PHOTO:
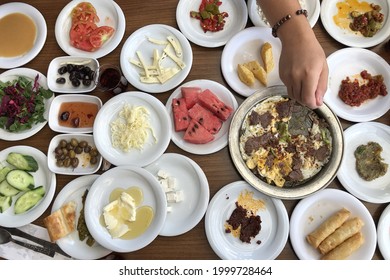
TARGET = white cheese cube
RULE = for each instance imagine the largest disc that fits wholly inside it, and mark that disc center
(162, 174)
(171, 183)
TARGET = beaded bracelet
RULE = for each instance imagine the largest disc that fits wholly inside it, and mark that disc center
(284, 19)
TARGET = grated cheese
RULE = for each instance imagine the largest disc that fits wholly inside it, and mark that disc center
(131, 129)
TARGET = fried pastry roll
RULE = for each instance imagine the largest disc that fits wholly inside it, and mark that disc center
(327, 227)
(345, 231)
(345, 249)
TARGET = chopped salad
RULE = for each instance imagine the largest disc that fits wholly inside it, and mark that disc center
(22, 103)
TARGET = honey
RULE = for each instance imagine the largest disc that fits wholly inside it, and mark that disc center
(18, 33)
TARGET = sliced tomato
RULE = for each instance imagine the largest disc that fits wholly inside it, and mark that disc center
(79, 35)
(84, 11)
(81, 28)
(100, 35)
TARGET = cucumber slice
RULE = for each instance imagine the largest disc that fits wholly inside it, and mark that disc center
(23, 162)
(7, 190)
(3, 172)
(5, 203)
(20, 179)
(29, 199)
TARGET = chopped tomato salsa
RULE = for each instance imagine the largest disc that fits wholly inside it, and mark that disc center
(211, 19)
(354, 93)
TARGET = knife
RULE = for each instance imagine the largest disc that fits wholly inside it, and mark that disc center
(47, 244)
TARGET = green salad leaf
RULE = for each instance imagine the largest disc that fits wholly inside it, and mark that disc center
(22, 103)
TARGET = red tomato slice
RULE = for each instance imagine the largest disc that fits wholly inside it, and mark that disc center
(79, 35)
(100, 35)
(84, 11)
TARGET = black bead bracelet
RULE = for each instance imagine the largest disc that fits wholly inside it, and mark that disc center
(284, 19)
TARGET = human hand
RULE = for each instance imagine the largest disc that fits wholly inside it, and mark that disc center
(304, 70)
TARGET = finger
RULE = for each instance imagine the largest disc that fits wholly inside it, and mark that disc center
(309, 88)
(322, 85)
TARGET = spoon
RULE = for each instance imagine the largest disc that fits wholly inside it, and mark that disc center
(6, 237)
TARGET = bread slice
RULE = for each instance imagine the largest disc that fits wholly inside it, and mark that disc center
(267, 56)
(60, 223)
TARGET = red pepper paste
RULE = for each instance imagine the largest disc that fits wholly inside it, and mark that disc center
(354, 93)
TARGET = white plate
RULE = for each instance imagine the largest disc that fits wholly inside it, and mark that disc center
(349, 37)
(138, 41)
(244, 47)
(190, 178)
(71, 243)
(384, 233)
(235, 22)
(67, 87)
(310, 212)
(55, 107)
(221, 138)
(258, 19)
(274, 226)
(84, 167)
(39, 20)
(349, 62)
(98, 197)
(109, 13)
(378, 190)
(42, 177)
(159, 121)
(31, 74)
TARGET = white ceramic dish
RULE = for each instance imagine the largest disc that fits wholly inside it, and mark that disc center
(67, 87)
(40, 23)
(383, 232)
(235, 22)
(349, 37)
(274, 226)
(138, 41)
(159, 121)
(190, 178)
(244, 47)
(258, 19)
(98, 197)
(71, 243)
(350, 62)
(42, 177)
(221, 138)
(54, 112)
(311, 211)
(13, 74)
(109, 13)
(375, 191)
(84, 166)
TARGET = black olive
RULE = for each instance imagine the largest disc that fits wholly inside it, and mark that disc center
(62, 70)
(64, 116)
(86, 82)
(70, 67)
(60, 80)
(78, 150)
(76, 122)
(75, 82)
(87, 70)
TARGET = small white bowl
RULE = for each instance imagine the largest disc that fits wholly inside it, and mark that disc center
(54, 112)
(67, 87)
(84, 166)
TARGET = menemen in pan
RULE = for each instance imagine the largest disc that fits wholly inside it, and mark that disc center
(283, 142)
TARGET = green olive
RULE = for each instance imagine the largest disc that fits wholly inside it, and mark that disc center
(74, 162)
(72, 154)
(94, 153)
(63, 143)
(83, 144)
(67, 162)
(93, 160)
(78, 150)
(74, 142)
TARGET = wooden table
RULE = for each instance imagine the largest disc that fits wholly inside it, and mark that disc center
(218, 167)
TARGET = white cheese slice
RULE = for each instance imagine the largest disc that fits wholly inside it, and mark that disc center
(176, 45)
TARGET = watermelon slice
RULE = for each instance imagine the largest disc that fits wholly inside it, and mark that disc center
(203, 116)
(197, 134)
(210, 101)
(180, 114)
(191, 95)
